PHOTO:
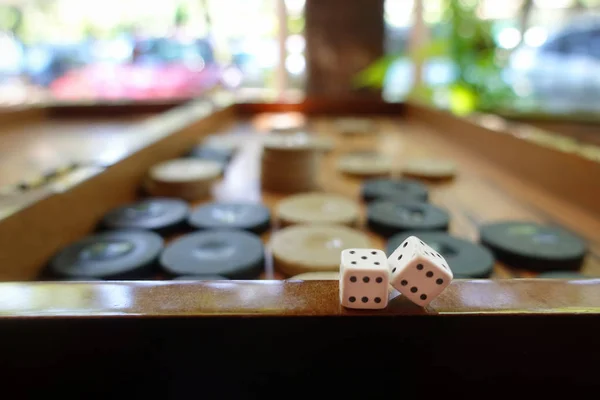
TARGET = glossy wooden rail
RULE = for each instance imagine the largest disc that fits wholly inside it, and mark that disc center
(268, 298)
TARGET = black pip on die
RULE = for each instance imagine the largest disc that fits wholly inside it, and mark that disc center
(364, 279)
(418, 272)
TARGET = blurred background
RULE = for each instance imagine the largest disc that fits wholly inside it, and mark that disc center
(508, 55)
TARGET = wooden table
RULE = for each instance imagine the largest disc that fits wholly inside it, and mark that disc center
(177, 334)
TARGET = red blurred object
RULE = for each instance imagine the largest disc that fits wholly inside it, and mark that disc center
(137, 82)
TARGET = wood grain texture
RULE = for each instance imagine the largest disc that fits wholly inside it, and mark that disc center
(64, 217)
(287, 298)
(484, 190)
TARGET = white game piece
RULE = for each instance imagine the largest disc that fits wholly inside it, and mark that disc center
(364, 279)
(418, 272)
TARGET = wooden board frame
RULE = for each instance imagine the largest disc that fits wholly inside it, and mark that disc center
(60, 337)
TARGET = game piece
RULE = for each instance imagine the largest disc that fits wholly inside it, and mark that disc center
(235, 254)
(222, 156)
(200, 278)
(429, 168)
(533, 246)
(418, 272)
(317, 208)
(113, 255)
(313, 247)
(563, 275)
(317, 276)
(186, 178)
(365, 163)
(468, 260)
(364, 279)
(388, 217)
(162, 215)
(228, 143)
(252, 217)
(394, 189)
(356, 126)
(289, 164)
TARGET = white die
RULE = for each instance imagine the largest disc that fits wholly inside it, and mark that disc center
(364, 279)
(418, 272)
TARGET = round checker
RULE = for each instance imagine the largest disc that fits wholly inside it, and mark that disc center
(183, 170)
(186, 178)
(356, 126)
(365, 163)
(532, 246)
(246, 216)
(429, 168)
(299, 140)
(228, 143)
(289, 164)
(563, 275)
(125, 254)
(161, 215)
(313, 247)
(290, 143)
(200, 278)
(399, 189)
(317, 276)
(388, 217)
(317, 208)
(234, 254)
(467, 260)
(203, 152)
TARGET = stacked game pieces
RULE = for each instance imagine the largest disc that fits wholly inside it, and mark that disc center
(414, 269)
(289, 164)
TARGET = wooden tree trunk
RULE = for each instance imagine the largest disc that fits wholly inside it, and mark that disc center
(342, 38)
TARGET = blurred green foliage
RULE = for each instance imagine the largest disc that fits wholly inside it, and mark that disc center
(467, 42)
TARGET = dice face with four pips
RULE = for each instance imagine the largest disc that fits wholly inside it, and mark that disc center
(414, 269)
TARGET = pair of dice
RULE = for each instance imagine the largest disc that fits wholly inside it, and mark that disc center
(414, 269)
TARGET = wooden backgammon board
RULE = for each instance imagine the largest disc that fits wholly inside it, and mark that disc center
(262, 311)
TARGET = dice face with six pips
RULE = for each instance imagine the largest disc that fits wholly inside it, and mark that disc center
(418, 272)
(364, 279)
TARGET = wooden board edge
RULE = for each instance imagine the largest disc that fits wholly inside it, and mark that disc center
(564, 174)
(325, 106)
(63, 217)
(138, 299)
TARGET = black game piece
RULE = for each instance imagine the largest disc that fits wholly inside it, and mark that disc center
(388, 217)
(532, 246)
(251, 217)
(113, 255)
(394, 189)
(235, 254)
(466, 259)
(162, 215)
(220, 155)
